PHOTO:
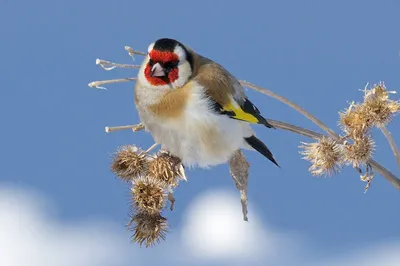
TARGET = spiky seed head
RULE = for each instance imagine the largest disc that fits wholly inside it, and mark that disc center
(359, 151)
(165, 168)
(148, 228)
(378, 91)
(354, 120)
(129, 162)
(325, 156)
(378, 107)
(148, 194)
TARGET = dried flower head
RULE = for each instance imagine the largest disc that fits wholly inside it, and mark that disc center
(148, 194)
(354, 120)
(165, 168)
(378, 107)
(148, 228)
(360, 151)
(129, 162)
(325, 156)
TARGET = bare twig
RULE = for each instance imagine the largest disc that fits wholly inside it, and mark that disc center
(392, 143)
(97, 84)
(295, 129)
(133, 52)
(134, 128)
(151, 147)
(107, 65)
(385, 173)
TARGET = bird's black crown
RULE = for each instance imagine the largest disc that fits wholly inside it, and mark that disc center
(165, 44)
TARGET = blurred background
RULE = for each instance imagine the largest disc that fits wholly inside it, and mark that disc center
(61, 205)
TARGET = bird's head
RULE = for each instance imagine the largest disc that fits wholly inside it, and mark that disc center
(169, 64)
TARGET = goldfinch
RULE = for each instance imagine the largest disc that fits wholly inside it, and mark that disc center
(195, 108)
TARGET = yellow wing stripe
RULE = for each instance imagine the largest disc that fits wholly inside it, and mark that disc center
(239, 113)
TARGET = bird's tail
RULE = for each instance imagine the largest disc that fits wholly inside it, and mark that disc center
(259, 146)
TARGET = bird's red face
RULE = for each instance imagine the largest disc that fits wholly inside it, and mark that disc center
(162, 68)
(169, 65)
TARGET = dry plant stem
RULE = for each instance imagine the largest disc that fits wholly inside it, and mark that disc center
(99, 83)
(385, 173)
(392, 144)
(133, 52)
(107, 65)
(151, 148)
(135, 128)
(291, 104)
(295, 129)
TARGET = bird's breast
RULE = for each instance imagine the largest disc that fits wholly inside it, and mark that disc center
(171, 104)
(183, 123)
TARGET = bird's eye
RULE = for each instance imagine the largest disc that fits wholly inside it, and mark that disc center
(171, 64)
(151, 62)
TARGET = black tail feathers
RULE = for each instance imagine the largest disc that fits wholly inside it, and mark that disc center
(259, 146)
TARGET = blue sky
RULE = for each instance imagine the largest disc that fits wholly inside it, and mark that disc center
(316, 53)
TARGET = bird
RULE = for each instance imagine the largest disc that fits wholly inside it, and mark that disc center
(194, 108)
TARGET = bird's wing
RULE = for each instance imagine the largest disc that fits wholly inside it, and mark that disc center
(227, 94)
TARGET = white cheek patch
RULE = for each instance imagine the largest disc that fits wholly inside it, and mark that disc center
(180, 52)
(185, 71)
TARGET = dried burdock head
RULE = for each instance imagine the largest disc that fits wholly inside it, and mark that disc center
(166, 168)
(359, 151)
(324, 155)
(354, 120)
(148, 194)
(129, 162)
(378, 107)
(149, 229)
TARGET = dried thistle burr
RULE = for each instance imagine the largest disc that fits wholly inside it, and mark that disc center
(355, 120)
(148, 194)
(166, 168)
(378, 107)
(129, 162)
(359, 151)
(325, 156)
(149, 229)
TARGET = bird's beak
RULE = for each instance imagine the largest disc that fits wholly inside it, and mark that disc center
(157, 71)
